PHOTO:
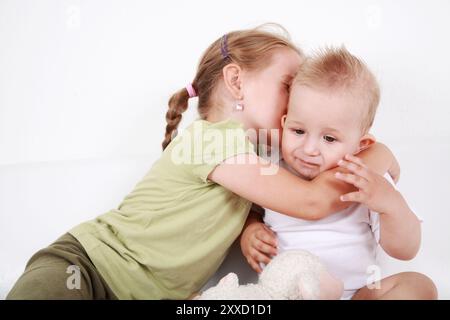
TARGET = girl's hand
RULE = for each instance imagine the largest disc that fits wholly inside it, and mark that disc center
(394, 170)
(374, 190)
(258, 244)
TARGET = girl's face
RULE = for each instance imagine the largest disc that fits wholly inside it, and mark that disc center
(266, 92)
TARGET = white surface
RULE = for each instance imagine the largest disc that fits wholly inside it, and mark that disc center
(84, 89)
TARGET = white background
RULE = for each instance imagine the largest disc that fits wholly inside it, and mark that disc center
(84, 87)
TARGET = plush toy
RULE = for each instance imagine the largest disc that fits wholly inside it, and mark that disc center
(291, 275)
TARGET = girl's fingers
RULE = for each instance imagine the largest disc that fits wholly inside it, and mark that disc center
(353, 197)
(395, 178)
(394, 171)
(355, 168)
(355, 180)
(354, 159)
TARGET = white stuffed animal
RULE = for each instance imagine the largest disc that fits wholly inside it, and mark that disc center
(291, 275)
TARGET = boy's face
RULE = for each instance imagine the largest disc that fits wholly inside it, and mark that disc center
(322, 125)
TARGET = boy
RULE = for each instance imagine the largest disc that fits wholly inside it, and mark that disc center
(332, 106)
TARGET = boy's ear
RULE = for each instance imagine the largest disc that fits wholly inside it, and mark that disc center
(232, 76)
(366, 141)
(283, 121)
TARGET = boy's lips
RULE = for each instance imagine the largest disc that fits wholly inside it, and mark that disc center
(307, 164)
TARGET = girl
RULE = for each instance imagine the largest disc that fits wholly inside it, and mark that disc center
(171, 233)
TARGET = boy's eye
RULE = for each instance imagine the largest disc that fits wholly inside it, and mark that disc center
(299, 131)
(329, 139)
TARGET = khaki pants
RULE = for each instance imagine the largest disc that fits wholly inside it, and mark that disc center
(63, 270)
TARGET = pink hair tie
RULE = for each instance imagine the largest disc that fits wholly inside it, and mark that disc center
(190, 89)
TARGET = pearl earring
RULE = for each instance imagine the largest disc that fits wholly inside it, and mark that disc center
(239, 106)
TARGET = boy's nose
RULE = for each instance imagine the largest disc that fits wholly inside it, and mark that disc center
(310, 147)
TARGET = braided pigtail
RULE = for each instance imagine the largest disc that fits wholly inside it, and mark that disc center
(178, 104)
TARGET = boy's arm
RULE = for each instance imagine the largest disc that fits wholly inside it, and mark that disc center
(400, 231)
(258, 242)
(254, 216)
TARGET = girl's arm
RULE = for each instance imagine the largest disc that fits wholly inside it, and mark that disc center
(275, 188)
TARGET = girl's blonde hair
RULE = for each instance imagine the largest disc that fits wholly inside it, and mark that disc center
(250, 49)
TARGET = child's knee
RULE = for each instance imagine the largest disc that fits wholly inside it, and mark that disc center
(430, 291)
(426, 288)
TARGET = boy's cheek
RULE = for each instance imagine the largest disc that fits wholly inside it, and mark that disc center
(286, 147)
(331, 160)
(329, 165)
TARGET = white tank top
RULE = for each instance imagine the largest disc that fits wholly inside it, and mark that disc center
(345, 241)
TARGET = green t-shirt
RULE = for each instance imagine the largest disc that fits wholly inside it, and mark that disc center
(172, 232)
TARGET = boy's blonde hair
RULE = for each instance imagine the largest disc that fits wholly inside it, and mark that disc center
(337, 68)
(251, 49)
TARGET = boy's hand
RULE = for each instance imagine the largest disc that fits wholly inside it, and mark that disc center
(374, 190)
(258, 244)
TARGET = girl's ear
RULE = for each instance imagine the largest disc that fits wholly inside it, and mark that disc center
(283, 121)
(365, 142)
(232, 76)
